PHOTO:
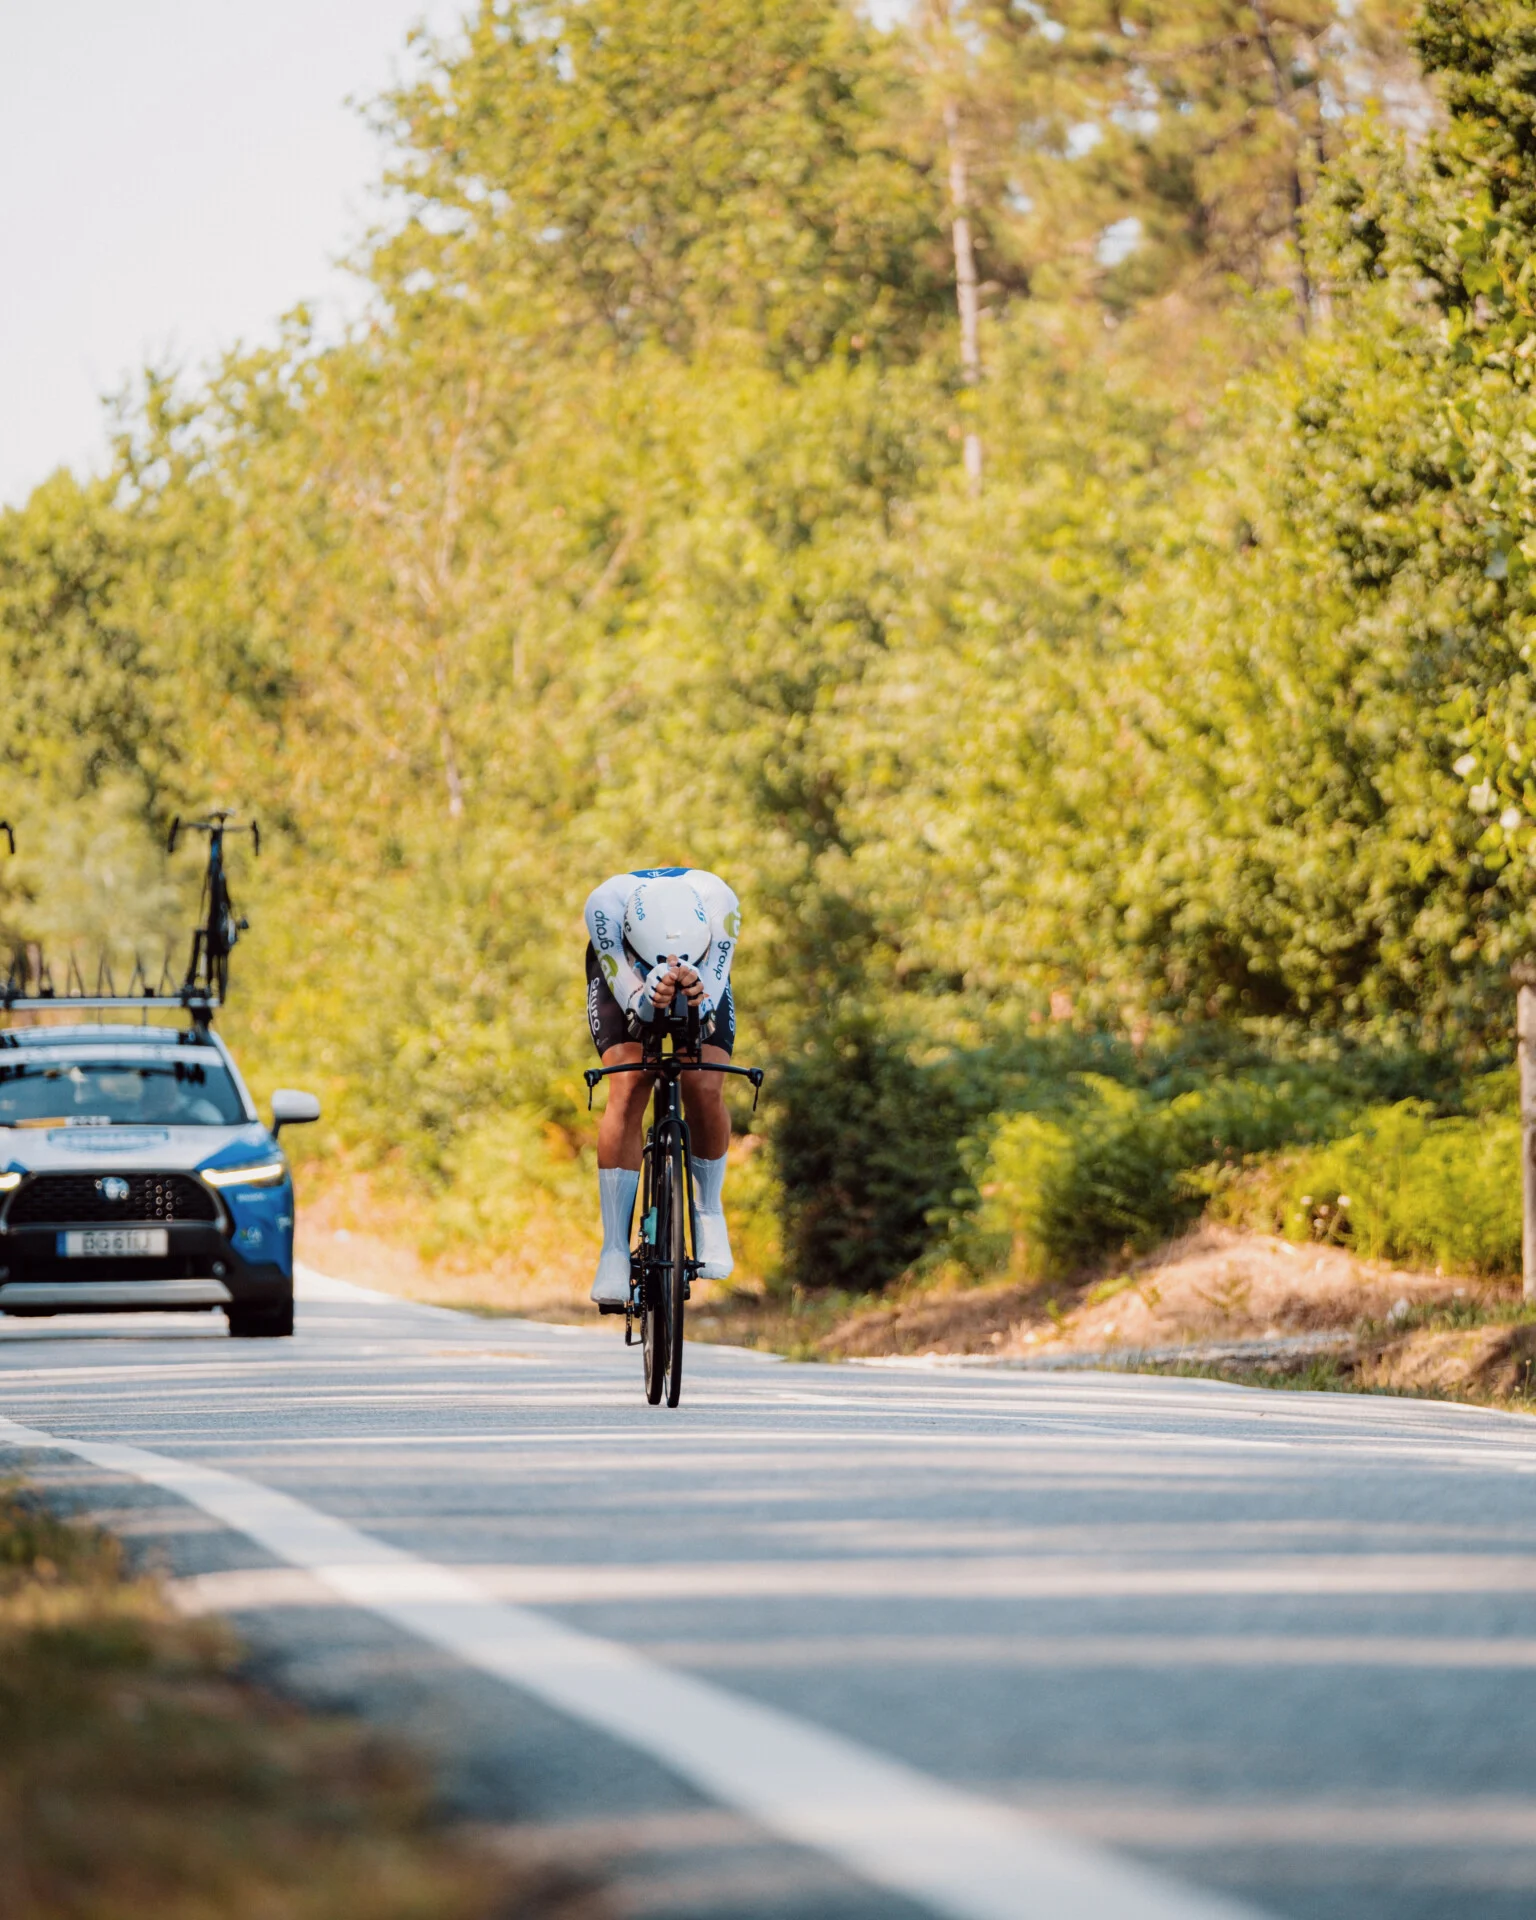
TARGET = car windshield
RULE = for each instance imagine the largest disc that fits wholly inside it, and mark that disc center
(112, 1093)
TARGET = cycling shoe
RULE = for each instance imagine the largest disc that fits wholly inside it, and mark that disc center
(611, 1287)
(714, 1249)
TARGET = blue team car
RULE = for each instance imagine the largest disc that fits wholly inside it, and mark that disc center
(135, 1172)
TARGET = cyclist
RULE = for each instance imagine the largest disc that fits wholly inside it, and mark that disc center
(655, 933)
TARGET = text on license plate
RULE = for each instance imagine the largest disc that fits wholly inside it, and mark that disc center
(103, 1242)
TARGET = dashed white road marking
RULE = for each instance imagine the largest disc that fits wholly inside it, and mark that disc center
(1304, 1576)
(959, 1855)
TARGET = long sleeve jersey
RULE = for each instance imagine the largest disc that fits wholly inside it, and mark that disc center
(605, 926)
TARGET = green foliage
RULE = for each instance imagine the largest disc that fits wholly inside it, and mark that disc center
(631, 528)
(1403, 1186)
(1119, 1166)
(665, 170)
(1042, 1152)
(1485, 54)
(88, 692)
(1203, 122)
(1137, 154)
(867, 1145)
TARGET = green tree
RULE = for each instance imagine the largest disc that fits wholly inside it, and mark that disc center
(628, 171)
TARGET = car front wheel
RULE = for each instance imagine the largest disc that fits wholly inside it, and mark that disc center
(261, 1323)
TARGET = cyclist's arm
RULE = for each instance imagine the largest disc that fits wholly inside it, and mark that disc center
(724, 911)
(605, 929)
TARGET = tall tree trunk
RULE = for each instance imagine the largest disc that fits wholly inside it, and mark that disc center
(450, 752)
(966, 292)
(1306, 295)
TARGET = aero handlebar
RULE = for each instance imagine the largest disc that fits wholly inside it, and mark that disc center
(669, 1066)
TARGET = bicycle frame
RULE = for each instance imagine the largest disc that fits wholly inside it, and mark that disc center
(208, 967)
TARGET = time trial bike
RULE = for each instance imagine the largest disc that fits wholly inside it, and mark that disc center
(663, 1262)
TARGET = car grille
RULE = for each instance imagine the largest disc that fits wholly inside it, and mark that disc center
(54, 1199)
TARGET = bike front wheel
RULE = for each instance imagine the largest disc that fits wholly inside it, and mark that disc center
(653, 1320)
(675, 1272)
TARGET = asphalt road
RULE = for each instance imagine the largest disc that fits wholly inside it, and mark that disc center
(838, 1643)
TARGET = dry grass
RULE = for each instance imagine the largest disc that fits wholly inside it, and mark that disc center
(356, 1227)
(937, 1317)
(140, 1779)
(1493, 1363)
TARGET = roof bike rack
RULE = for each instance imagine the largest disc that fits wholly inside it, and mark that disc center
(29, 983)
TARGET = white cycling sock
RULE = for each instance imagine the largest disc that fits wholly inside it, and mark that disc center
(616, 1188)
(708, 1183)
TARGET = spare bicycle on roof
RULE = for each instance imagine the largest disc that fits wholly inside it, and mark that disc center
(30, 985)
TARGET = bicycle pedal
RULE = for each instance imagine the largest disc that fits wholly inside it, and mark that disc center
(611, 1306)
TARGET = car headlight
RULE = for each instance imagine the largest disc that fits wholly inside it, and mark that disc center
(9, 1182)
(260, 1173)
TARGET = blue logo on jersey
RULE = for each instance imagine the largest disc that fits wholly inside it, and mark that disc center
(657, 873)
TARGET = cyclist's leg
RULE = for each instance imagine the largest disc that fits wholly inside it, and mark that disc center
(709, 1133)
(709, 1121)
(621, 1125)
(620, 1137)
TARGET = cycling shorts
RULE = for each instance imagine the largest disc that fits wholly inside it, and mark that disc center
(611, 1026)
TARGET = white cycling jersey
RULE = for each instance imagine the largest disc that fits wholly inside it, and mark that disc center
(605, 925)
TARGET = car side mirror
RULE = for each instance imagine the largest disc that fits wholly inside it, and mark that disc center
(293, 1109)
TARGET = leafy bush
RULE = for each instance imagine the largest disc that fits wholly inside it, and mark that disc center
(1040, 1152)
(867, 1147)
(870, 1133)
(1116, 1168)
(1402, 1186)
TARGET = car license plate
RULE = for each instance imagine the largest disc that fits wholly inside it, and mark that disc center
(104, 1242)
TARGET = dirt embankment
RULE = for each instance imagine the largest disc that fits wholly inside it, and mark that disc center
(1249, 1304)
(1214, 1285)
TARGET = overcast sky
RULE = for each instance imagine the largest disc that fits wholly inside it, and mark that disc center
(174, 174)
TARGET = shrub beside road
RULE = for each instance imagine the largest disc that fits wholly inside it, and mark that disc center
(141, 1776)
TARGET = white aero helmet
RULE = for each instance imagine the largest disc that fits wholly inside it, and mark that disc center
(666, 916)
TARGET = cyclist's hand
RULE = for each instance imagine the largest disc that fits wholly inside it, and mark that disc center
(660, 985)
(664, 980)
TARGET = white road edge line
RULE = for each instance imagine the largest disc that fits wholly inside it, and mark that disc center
(959, 1855)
